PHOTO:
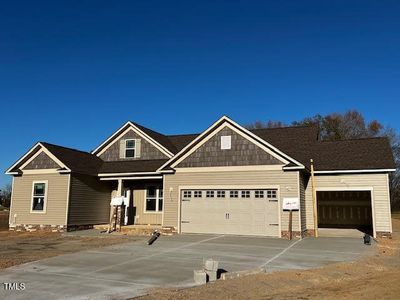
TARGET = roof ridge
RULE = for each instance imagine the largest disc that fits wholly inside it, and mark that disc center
(146, 128)
(285, 127)
(184, 134)
(357, 139)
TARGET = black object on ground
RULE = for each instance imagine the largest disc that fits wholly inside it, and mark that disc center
(153, 237)
(367, 239)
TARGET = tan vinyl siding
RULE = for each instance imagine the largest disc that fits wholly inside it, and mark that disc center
(142, 217)
(381, 198)
(302, 185)
(287, 182)
(56, 206)
(89, 201)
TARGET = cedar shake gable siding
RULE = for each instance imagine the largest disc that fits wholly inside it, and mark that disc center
(242, 153)
(147, 151)
(42, 161)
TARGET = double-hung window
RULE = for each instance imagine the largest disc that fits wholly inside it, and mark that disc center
(39, 196)
(154, 199)
(130, 148)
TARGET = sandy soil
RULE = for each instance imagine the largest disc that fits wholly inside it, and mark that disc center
(375, 277)
(21, 247)
(3, 220)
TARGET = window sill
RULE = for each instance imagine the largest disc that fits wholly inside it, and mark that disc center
(37, 212)
(152, 212)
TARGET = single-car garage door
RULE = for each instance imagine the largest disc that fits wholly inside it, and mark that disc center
(242, 212)
(345, 209)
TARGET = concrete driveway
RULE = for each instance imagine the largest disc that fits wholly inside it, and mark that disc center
(129, 270)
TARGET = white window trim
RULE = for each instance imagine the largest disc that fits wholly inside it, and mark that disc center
(157, 211)
(134, 148)
(46, 182)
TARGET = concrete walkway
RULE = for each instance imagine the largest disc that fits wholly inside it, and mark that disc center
(131, 269)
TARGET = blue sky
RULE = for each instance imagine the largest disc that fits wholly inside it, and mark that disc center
(72, 72)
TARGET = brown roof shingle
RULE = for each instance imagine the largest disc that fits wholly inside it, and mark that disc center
(132, 166)
(78, 161)
(301, 143)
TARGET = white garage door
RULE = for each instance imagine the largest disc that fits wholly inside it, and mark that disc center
(242, 212)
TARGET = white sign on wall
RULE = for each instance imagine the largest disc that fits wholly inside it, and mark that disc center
(291, 204)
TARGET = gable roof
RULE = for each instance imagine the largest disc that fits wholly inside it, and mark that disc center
(75, 160)
(78, 161)
(299, 144)
(158, 140)
(226, 121)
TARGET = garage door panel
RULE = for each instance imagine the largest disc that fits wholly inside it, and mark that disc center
(232, 214)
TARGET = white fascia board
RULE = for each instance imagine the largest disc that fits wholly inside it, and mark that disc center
(131, 178)
(8, 172)
(127, 174)
(355, 171)
(294, 168)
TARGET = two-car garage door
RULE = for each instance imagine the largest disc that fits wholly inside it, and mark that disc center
(233, 211)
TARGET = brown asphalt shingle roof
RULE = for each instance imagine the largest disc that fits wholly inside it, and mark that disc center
(357, 154)
(132, 166)
(78, 161)
(301, 143)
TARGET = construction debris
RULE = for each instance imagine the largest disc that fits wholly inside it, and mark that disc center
(153, 237)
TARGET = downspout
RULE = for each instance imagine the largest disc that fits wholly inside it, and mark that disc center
(314, 198)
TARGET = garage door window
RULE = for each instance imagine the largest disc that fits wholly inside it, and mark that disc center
(210, 194)
(245, 194)
(271, 194)
(197, 194)
(187, 194)
(259, 194)
(154, 199)
(234, 194)
(220, 194)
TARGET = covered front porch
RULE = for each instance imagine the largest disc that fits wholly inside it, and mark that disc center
(143, 200)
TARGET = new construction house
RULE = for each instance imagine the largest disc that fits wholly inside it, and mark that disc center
(225, 180)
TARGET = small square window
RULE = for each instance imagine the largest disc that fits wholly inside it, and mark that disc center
(245, 194)
(197, 194)
(210, 194)
(187, 194)
(234, 194)
(220, 194)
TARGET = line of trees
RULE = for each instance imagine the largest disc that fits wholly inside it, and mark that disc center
(350, 125)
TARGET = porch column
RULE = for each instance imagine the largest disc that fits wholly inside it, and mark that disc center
(120, 187)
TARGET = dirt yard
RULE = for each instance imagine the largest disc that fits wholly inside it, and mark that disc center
(375, 277)
(21, 247)
(4, 220)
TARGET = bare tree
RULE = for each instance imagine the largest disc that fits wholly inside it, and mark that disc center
(5, 195)
(267, 124)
